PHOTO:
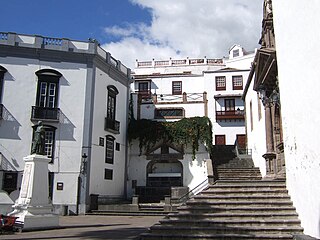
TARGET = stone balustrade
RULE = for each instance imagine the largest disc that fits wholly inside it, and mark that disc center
(61, 44)
(180, 62)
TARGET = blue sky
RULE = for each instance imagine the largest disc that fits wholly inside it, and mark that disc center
(142, 29)
(74, 19)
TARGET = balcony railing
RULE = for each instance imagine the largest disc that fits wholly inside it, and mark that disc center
(44, 113)
(232, 115)
(112, 125)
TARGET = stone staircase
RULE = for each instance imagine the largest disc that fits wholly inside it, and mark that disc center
(239, 205)
(128, 209)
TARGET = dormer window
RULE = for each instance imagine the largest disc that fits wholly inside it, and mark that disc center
(236, 53)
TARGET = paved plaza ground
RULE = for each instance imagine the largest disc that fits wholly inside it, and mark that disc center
(92, 227)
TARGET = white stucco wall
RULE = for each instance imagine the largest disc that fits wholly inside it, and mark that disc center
(99, 185)
(255, 129)
(19, 95)
(296, 30)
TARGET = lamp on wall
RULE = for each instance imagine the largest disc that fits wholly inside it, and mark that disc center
(83, 168)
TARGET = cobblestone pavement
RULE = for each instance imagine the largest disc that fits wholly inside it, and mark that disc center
(92, 227)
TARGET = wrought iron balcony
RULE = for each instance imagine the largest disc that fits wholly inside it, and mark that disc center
(112, 125)
(230, 115)
(44, 113)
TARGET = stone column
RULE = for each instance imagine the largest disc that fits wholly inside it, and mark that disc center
(270, 154)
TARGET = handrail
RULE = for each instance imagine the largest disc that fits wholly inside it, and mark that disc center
(191, 193)
(241, 151)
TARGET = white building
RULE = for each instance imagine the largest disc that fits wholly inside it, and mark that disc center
(282, 120)
(175, 89)
(77, 90)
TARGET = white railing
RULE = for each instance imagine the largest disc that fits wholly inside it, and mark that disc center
(3, 36)
(180, 62)
(52, 41)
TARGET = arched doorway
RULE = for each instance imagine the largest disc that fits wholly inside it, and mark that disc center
(164, 173)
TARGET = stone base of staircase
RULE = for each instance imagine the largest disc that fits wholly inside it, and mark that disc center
(239, 205)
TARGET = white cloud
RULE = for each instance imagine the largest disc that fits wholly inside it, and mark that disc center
(191, 28)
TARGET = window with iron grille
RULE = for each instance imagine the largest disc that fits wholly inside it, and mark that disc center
(108, 174)
(220, 83)
(176, 87)
(111, 102)
(237, 83)
(109, 149)
(169, 113)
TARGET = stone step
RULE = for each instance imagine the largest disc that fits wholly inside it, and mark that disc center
(246, 191)
(233, 203)
(236, 209)
(128, 213)
(241, 197)
(250, 183)
(226, 236)
(234, 215)
(222, 229)
(231, 222)
(240, 177)
(240, 169)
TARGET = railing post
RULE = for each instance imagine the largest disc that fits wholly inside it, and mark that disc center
(134, 207)
(184, 97)
(167, 204)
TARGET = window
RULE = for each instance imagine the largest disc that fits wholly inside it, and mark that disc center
(49, 139)
(117, 146)
(10, 180)
(143, 86)
(169, 113)
(229, 104)
(237, 83)
(2, 72)
(47, 95)
(108, 174)
(220, 83)
(110, 122)
(235, 53)
(144, 90)
(111, 102)
(251, 116)
(176, 88)
(220, 140)
(259, 107)
(109, 149)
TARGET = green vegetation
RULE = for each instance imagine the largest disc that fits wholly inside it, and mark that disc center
(186, 132)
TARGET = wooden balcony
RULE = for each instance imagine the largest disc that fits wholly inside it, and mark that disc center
(112, 126)
(45, 114)
(230, 115)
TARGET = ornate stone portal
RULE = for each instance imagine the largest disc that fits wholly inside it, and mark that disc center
(266, 83)
(33, 209)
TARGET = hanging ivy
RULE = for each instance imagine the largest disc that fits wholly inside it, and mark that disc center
(187, 132)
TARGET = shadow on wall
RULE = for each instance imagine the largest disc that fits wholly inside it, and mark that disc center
(66, 129)
(9, 125)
